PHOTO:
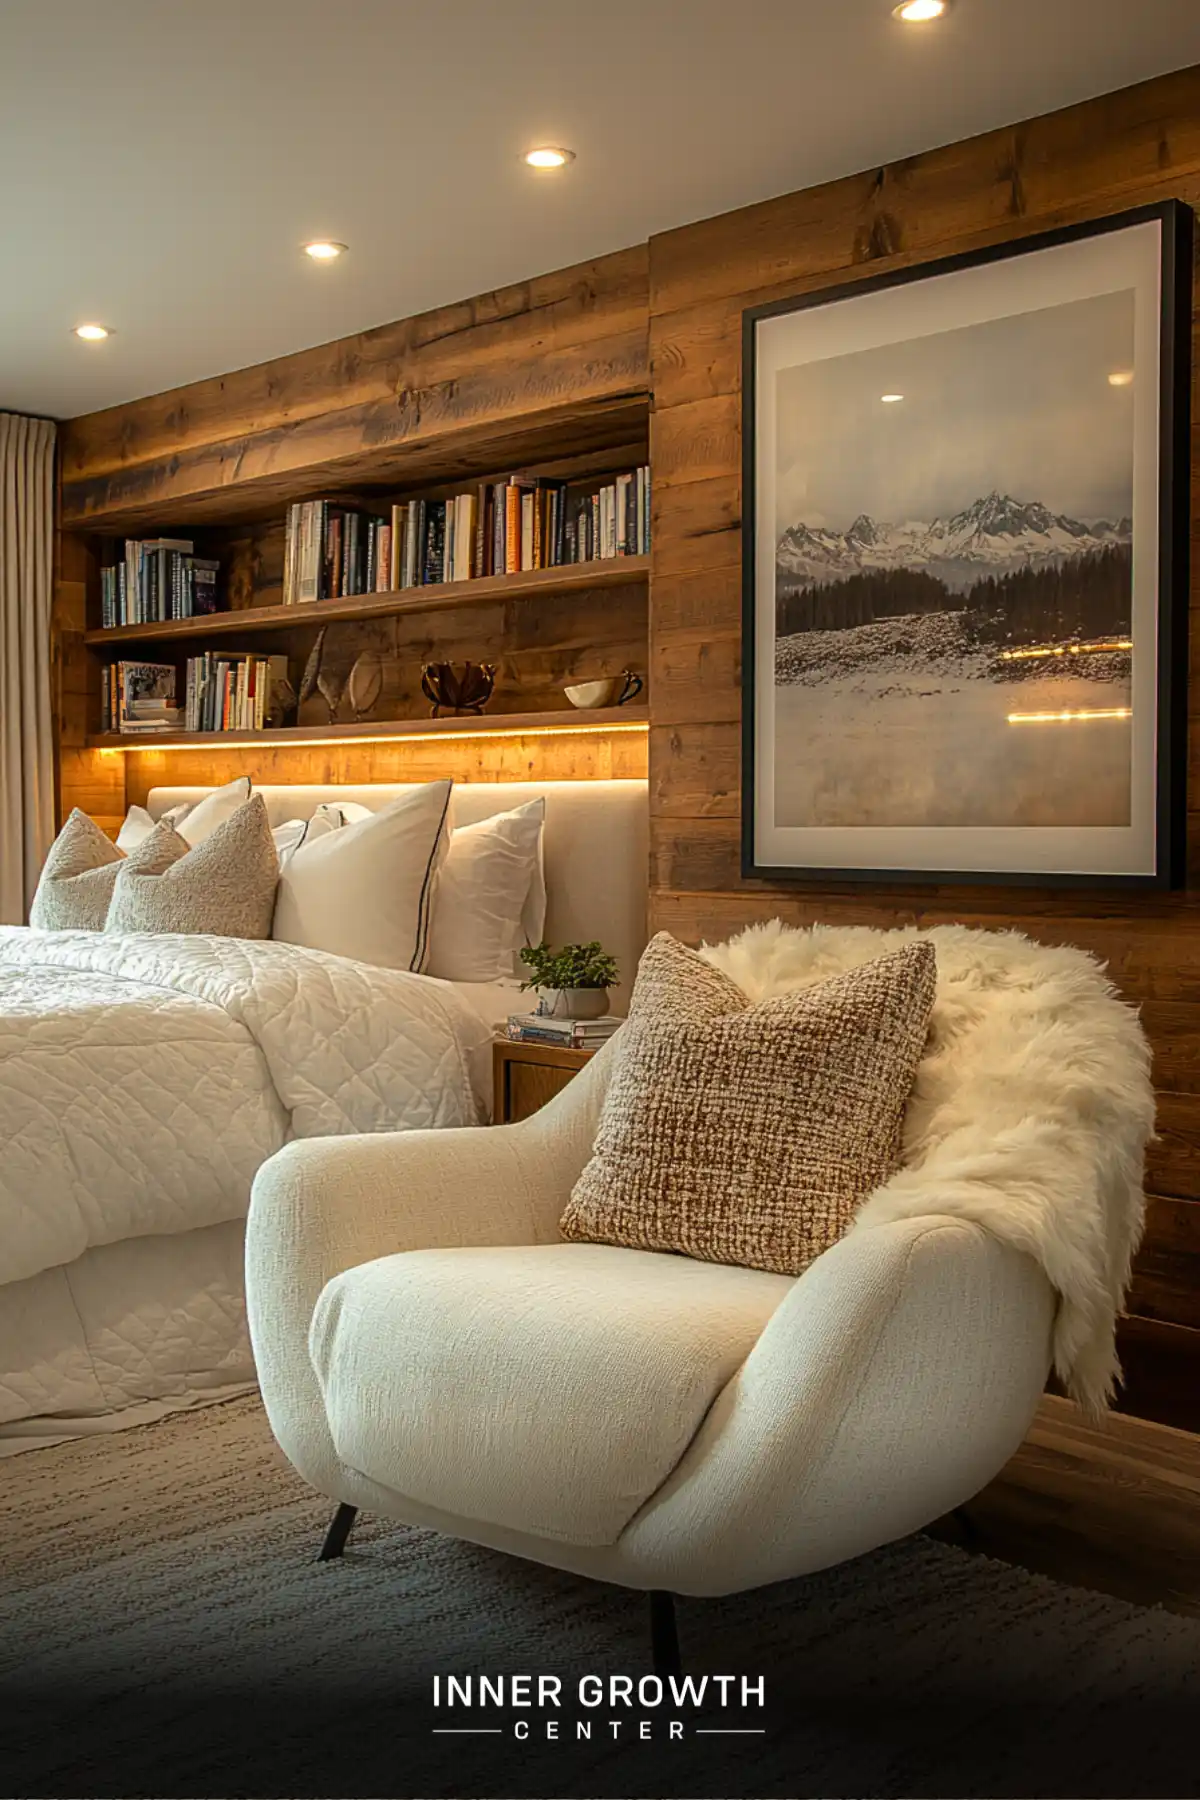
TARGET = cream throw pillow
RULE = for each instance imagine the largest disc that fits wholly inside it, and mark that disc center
(750, 1134)
(137, 825)
(200, 821)
(225, 886)
(76, 883)
(289, 836)
(482, 894)
(366, 891)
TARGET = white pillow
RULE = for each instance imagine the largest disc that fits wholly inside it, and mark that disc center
(342, 812)
(199, 821)
(482, 893)
(366, 891)
(289, 836)
(138, 825)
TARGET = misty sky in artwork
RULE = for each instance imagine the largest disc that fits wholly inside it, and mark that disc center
(1022, 405)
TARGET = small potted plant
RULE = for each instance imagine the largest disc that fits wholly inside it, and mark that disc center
(571, 983)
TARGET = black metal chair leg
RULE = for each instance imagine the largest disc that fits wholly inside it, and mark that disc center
(339, 1531)
(664, 1633)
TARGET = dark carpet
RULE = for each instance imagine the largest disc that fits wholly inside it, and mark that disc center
(164, 1630)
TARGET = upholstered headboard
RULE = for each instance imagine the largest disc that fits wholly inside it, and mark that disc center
(596, 848)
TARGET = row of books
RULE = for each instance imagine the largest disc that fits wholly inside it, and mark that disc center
(332, 550)
(498, 528)
(157, 579)
(230, 690)
(226, 690)
(568, 1034)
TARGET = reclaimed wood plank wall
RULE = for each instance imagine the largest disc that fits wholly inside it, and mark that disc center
(1123, 150)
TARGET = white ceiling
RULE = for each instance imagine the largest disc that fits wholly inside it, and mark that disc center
(162, 160)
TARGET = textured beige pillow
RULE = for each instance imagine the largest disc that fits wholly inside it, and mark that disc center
(76, 882)
(80, 871)
(750, 1134)
(224, 886)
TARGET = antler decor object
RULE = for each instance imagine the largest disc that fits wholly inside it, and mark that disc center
(308, 681)
(457, 688)
(327, 670)
(365, 685)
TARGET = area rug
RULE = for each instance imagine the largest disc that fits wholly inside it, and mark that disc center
(165, 1630)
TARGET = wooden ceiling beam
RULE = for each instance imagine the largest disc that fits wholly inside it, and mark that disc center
(525, 371)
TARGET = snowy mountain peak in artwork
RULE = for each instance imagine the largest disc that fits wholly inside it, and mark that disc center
(999, 515)
(992, 535)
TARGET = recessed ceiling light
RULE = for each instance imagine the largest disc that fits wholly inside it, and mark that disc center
(920, 12)
(324, 250)
(92, 334)
(1121, 378)
(549, 156)
(890, 399)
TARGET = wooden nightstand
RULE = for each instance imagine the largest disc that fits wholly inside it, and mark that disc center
(525, 1076)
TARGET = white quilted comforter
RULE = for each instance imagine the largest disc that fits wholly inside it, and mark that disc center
(143, 1079)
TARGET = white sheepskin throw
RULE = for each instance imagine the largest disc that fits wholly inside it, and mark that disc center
(1030, 1115)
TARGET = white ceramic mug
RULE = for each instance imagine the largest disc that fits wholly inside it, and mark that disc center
(613, 690)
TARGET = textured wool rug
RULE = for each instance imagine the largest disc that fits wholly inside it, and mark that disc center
(164, 1630)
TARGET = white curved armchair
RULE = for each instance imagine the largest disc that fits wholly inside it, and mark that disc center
(429, 1349)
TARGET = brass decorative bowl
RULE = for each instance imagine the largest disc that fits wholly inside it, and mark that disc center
(458, 687)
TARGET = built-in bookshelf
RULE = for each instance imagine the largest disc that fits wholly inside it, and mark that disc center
(337, 550)
(542, 572)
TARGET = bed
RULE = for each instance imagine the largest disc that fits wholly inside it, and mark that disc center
(143, 1081)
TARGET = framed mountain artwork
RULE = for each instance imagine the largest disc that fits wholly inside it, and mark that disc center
(965, 585)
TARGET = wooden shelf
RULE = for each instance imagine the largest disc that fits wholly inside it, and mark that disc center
(566, 579)
(421, 437)
(483, 725)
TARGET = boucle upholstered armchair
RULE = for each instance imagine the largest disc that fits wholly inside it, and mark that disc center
(430, 1349)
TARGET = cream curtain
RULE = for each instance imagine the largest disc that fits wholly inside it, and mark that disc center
(26, 582)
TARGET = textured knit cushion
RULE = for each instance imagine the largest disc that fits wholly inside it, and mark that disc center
(549, 1389)
(80, 871)
(77, 879)
(749, 1134)
(225, 886)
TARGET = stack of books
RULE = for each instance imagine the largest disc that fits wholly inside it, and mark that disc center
(504, 527)
(613, 521)
(157, 579)
(523, 522)
(138, 699)
(570, 1034)
(331, 551)
(230, 690)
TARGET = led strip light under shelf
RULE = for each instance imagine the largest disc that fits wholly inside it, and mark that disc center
(222, 740)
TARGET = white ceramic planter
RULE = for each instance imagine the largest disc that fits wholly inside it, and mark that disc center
(572, 1003)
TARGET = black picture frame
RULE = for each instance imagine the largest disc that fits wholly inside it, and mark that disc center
(1176, 223)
